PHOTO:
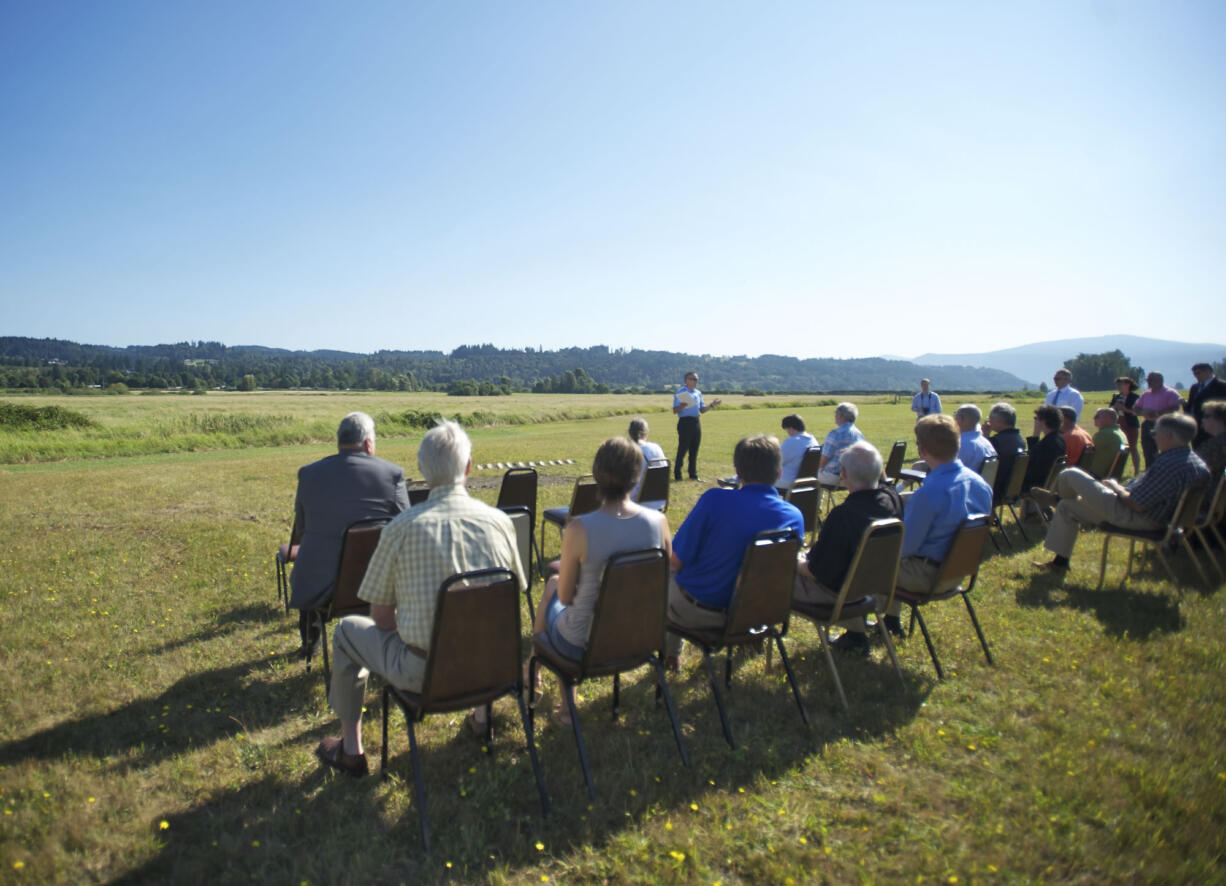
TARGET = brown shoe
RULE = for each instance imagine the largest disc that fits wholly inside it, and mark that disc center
(1052, 566)
(331, 751)
(1044, 497)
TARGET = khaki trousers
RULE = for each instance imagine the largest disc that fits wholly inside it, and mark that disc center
(359, 648)
(1083, 500)
(688, 614)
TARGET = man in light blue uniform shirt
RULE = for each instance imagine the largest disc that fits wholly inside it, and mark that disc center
(974, 448)
(688, 406)
(926, 402)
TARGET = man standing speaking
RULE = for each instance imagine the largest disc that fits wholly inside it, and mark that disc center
(688, 406)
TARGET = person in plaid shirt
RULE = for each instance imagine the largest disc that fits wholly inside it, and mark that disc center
(447, 534)
(1148, 502)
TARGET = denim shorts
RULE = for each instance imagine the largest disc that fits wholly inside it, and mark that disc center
(560, 643)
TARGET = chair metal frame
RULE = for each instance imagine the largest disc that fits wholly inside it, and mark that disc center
(761, 599)
(357, 547)
(627, 632)
(805, 495)
(874, 565)
(1209, 522)
(584, 498)
(286, 554)
(894, 463)
(477, 610)
(1007, 498)
(961, 561)
(1175, 532)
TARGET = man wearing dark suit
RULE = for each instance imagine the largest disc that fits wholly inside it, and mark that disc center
(1208, 387)
(333, 493)
(1007, 440)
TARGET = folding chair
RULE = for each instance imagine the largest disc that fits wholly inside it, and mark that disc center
(1008, 498)
(804, 495)
(1086, 458)
(810, 462)
(361, 539)
(286, 554)
(1121, 461)
(761, 599)
(474, 659)
(654, 490)
(521, 519)
(961, 564)
(1210, 520)
(418, 494)
(874, 566)
(989, 469)
(519, 489)
(1182, 522)
(893, 464)
(583, 499)
(1049, 484)
(627, 632)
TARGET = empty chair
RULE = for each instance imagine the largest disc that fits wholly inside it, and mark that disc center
(654, 490)
(474, 658)
(583, 498)
(1164, 538)
(627, 632)
(760, 607)
(894, 463)
(521, 519)
(518, 489)
(957, 578)
(873, 568)
(361, 539)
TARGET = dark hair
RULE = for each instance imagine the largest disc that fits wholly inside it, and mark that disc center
(938, 435)
(794, 421)
(1069, 412)
(1131, 382)
(1049, 416)
(1215, 409)
(616, 467)
(757, 459)
(1203, 367)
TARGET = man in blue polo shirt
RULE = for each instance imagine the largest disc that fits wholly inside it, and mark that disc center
(709, 546)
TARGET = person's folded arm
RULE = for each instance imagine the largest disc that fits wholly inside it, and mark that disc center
(384, 616)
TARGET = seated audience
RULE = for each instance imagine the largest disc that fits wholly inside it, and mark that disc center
(710, 544)
(933, 514)
(652, 453)
(1147, 502)
(1044, 451)
(1064, 394)
(844, 434)
(1207, 387)
(974, 448)
(569, 601)
(1108, 441)
(1156, 402)
(1006, 440)
(1076, 438)
(447, 534)
(820, 573)
(1212, 449)
(332, 493)
(798, 442)
(1123, 403)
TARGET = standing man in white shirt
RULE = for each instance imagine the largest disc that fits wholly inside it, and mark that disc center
(926, 402)
(1064, 394)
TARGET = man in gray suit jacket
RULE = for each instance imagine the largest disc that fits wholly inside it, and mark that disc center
(333, 493)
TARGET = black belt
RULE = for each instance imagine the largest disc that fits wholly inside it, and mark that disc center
(682, 418)
(699, 603)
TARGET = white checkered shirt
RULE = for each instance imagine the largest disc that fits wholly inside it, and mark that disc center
(446, 534)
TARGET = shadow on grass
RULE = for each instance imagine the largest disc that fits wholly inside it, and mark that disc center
(195, 711)
(483, 808)
(228, 622)
(1122, 611)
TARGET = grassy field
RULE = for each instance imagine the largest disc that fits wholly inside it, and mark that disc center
(154, 730)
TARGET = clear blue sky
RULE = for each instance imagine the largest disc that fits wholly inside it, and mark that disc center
(815, 179)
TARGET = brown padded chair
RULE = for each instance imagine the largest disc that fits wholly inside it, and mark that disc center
(810, 462)
(989, 469)
(518, 489)
(804, 495)
(957, 578)
(627, 632)
(474, 658)
(761, 600)
(1116, 472)
(1010, 496)
(1086, 458)
(418, 494)
(583, 499)
(521, 519)
(1176, 532)
(286, 554)
(874, 566)
(893, 465)
(1053, 475)
(357, 547)
(1210, 520)
(654, 490)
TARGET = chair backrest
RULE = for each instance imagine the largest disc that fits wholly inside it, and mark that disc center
(628, 620)
(810, 461)
(763, 592)
(874, 567)
(965, 554)
(585, 498)
(1187, 509)
(898, 454)
(418, 494)
(1056, 467)
(1116, 471)
(519, 488)
(521, 519)
(475, 644)
(357, 547)
(655, 483)
(1017, 478)
(805, 494)
(1217, 505)
(988, 470)
(1086, 457)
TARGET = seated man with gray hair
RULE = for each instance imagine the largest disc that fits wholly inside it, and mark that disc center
(332, 493)
(447, 534)
(974, 448)
(820, 573)
(1007, 440)
(844, 434)
(1147, 502)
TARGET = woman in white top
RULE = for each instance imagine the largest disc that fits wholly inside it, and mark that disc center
(652, 452)
(566, 608)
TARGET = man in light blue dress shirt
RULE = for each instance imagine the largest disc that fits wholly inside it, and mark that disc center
(688, 406)
(1064, 394)
(974, 448)
(926, 402)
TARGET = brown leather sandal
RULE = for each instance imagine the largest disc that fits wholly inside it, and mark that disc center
(331, 752)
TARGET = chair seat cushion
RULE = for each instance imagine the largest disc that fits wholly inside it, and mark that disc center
(919, 599)
(1145, 534)
(553, 659)
(557, 515)
(416, 702)
(287, 554)
(824, 612)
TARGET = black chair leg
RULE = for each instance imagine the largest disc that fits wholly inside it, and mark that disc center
(530, 737)
(662, 689)
(617, 690)
(918, 616)
(534, 666)
(787, 666)
(719, 698)
(966, 598)
(419, 785)
(383, 750)
(567, 686)
(1018, 521)
(728, 668)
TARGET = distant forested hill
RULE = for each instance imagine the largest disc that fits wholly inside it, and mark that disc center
(45, 363)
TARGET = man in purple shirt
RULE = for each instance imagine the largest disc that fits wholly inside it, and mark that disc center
(1158, 401)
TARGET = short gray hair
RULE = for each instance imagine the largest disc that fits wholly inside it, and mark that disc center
(638, 429)
(848, 411)
(443, 455)
(968, 410)
(1182, 426)
(1005, 412)
(1108, 412)
(355, 429)
(862, 462)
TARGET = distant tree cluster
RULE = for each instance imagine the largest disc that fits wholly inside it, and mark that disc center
(1098, 372)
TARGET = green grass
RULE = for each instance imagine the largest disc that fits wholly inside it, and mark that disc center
(152, 729)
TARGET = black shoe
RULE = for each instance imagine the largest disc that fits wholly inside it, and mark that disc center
(893, 624)
(852, 641)
(1053, 566)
